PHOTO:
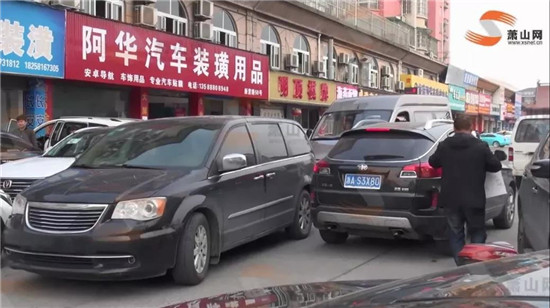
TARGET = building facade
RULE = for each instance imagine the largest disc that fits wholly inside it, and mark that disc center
(147, 59)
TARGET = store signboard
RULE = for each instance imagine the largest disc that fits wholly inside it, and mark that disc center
(484, 104)
(457, 98)
(424, 86)
(517, 105)
(472, 102)
(32, 40)
(346, 91)
(293, 88)
(105, 51)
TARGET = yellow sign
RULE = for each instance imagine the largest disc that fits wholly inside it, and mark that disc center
(292, 88)
(425, 86)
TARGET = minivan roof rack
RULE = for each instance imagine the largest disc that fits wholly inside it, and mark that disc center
(431, 123)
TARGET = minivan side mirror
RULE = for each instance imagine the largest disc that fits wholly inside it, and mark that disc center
(309, 132)
(541, 168)
(232, 162)
(500, 155)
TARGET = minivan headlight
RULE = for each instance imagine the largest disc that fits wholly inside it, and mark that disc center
(140, 209)
(19, 204)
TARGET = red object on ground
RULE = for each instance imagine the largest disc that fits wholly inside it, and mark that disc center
(473, 253)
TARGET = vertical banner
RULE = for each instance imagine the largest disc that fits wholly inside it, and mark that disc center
(35, 102)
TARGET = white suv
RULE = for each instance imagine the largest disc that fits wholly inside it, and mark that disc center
(50, 133)
(527, 134)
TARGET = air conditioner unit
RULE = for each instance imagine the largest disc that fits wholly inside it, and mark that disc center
(386, 82)
(291, 61)
(343, 58)
(145, 15)
(420, 72)
(66, 3)
(203, 30)
(320, 67)
(400, 86)
(386, 71)
(203, 9)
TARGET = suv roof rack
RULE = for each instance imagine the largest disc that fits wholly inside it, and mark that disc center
(431, 123)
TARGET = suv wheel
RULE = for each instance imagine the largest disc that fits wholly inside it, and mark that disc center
(506, 218)
(193, 252)
(301, 226)
(333, 237)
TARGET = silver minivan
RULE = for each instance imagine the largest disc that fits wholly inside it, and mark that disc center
(345, 114)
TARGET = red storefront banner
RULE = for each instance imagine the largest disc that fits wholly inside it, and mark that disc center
(485, 103)
(99, 50)
(472, 102)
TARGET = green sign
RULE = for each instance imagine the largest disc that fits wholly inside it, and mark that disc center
(457, 98)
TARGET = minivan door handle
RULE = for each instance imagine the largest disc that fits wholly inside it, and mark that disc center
(535, 190)
(270, 175)
(259, 177)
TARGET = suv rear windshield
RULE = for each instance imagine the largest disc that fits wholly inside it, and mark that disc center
(532, 130)
(381, 146)
(335, 123)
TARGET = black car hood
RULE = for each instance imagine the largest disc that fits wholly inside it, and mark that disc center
(76, 185)
(299, 295)
(519, 281)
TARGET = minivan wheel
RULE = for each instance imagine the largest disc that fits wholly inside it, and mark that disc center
(333, 237)
(505, 219)
(301, 226)
(193, 256)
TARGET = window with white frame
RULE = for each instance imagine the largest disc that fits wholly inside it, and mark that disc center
(271, 46)
(371, 4)
(353, 71)
(373, 77)
(225, 32)
(422, 8)
(406, 6)
(301, 50)
(110, 9)
(171, 17)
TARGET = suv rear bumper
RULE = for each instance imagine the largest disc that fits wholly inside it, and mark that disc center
(381, 223)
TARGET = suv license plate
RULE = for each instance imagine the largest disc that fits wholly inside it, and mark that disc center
(363, 181)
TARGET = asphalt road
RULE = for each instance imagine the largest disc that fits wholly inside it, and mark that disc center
(273, 260)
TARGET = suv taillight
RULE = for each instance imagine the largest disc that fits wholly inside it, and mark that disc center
(421, 171)
(321, 167)
(511, 154)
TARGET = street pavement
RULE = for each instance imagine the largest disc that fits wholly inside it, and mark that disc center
(273, 260)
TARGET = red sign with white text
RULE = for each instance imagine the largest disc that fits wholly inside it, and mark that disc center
(105, 51)
(485, 104)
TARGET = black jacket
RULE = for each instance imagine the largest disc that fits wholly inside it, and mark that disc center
(464, 160)
(27, 135)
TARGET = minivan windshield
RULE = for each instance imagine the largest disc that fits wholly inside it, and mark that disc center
(162, 145)
(75, 144)
(333, 124)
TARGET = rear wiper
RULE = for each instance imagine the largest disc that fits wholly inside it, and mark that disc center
(381, 156)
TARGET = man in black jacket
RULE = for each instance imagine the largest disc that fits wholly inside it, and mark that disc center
(464, 160)
(24, 132)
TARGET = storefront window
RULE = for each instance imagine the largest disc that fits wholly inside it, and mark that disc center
(271, 46)
(225, 32)
(11, 107)
(171, 17)
(76, 99)
(301, 49)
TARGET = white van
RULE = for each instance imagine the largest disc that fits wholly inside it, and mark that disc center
(345, 114)
(526, 136)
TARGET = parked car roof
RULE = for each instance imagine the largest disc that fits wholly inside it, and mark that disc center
(386, 102)
(432, 133)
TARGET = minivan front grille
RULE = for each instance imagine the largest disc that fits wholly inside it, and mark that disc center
(15, 186)
(63, 218)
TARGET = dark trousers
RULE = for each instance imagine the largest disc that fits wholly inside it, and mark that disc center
(474, 218)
